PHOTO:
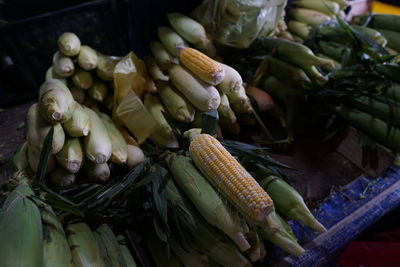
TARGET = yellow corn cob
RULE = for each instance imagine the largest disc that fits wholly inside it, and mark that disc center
(201, 65)
(226, 173)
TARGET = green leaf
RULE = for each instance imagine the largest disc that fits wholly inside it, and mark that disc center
(44, 156)
(159, 200)
(209, 122)
(390, 70)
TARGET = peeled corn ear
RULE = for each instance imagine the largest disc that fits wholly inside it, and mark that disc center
(135, 156)
(61, 177)
(51, 74)
(154, 69)
(207, 69)
(188, 28)
(56, 103)
(232, 81)
(95, 173)
(82, 79)
(79, 124)
(63, 65)
(71, 155)
(69, 44)
(98, 91)
(171, 40)
(87, 58)
(161, 55)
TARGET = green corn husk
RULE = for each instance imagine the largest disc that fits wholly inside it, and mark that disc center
(82, 79)
(34, 158)
(85, 251)
(284, 71)
(393, 92)
(284, 226)
(94, 173)
(51, 74)
(38, 128)
(299, 28)
(126, 254)
(294, 53)
(62, 65)
(158, 251)
(163, 136)
(392, 37)
(111, 251)
(337, 66)
(188, 28)
(98, 91)
(255, 251)
(315, 75)
(119, 153)
(171, 40)
(380, 21)
(176, 104)
(309, 16)
(333, 50)
(297, 38)
(105, 67)
(373, 34)
(78, 94)
(56, 250)
(79, 124)
(188, 258)
(161, 55)
(109, 101)
(240, 102)
(97, 144)
(61, 177)
(155, 70)
(232, 81)
(56, 103)
(69, 44)
(326, 7)
(87, 58)
(205, 238)
(372, 126)
(286, 199)
(21, 230)
(226, 114)
(71, 156)
(207, 201)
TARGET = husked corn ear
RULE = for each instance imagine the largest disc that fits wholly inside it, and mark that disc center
(171, 40)
(239, 101)
(78, 94)
(56, 103)
(119, 153)
(34, 158)
(309, 16)
(203, 96)
(161, 55)
(155, 70)
(38, 128)
(85, 251)
(105, 67)
(299, 28)
(98, 91)
(51, 74)
(61, 177)
(63, 65)
(79, 124)
(87, 58)
(226, 173)
(21, 230)
(82, 79)
(135, 156)
(69, 44)
(232, 81)
(71, 155)
(176, 104)
(225, 112)
(188, 28)
(94, 173)
(207, 69)
(326, 7)
(97, 144)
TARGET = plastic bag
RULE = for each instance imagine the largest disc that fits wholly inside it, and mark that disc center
(238, 23)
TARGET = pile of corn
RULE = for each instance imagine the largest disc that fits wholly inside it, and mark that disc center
(36, 237)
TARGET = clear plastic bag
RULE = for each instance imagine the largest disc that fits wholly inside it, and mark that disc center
(238, 23)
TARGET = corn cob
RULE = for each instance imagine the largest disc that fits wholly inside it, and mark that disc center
(94, 173)
(56, 251)
(87, 58)
(308, 16)
(21, 230)
(239, 101)
(105, 67)
(285, 35)
(230, 177)
(155, 70)
(70, 156)
(78, 94)
(38, 128)
(79, 124)
(63, 65)
(98, 91)
(34, 158)
(299, 28)
(82, 79)
(203, 96)
(51, 74)
(226, 114)
(207, 69)
(85, 251)
(56, 103)
(188, 258)
(119, 153)
(97, 144)
(188, 28)
(263, 99)
(161, 55)
(61, 177)
(206, 200)
(326, 7)
(373, 34)
(126, 254)
(392, 37)
(232, 81)
(69, 44)
(171, 40)
(176, 104)
(163, 135)
(111, 252)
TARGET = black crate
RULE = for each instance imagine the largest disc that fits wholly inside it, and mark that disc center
(27, 45)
